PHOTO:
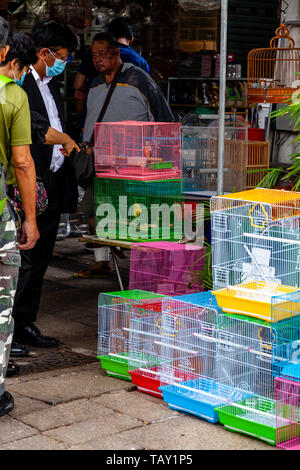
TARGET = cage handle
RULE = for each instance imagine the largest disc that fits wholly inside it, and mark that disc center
(281, 33)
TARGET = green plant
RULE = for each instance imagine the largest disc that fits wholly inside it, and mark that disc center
(204, 276)
(290, 175)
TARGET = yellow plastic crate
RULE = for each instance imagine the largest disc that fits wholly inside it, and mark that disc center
(254, 299)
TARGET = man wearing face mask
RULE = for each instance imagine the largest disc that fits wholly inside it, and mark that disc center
(50, 149)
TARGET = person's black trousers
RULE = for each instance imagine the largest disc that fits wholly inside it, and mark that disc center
(32, 270)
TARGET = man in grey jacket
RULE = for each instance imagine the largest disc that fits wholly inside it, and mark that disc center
(136, 98)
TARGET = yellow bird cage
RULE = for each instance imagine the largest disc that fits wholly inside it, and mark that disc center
(197, 30)
(273, 72)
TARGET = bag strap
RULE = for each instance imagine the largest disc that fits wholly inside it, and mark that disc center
(106, 102)
(4, 81)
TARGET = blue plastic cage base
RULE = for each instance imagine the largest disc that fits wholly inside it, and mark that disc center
(201, 397)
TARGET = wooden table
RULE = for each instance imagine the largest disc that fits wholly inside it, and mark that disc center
(111, 244)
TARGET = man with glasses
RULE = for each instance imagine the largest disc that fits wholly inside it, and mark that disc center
(16, 167)
(51, 146)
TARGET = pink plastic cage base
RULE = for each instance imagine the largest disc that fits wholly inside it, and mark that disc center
(287, 396)
(166, 267)
(137, 150)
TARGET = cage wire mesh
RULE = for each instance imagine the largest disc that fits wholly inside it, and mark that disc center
(258, 159)
(256, 237)
(166, 267)
(286, 360)
(177, 360)
(200, 154)
(138, 150)
(192, 356)
(146, 358)
(114, 339)
(244, 361)
(287, 395)
(138, 210)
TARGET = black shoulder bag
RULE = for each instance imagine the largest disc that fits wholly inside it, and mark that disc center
(83, 161)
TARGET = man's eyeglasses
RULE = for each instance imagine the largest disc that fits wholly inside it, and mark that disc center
(100, 54)
(67, 60)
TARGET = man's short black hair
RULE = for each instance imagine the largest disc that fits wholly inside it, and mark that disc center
(120, 27)
(54, 35)
(21, 47)
(112, 43)
(3, 32)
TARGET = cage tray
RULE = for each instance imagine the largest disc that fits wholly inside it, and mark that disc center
(255, 299)
(149, 385)
(293, 444)
(116, 367)
(200, 397)
(257, 420)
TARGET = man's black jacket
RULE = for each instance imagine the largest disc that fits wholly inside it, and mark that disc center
(62, 190)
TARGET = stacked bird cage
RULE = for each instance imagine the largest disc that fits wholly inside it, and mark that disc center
(244, 361)
(170, 332)
(145, 151)
(138, 180)
(138, 210)
(255, 246)
(256, 237)
(166, 267)
(200, 155)
(115, 313)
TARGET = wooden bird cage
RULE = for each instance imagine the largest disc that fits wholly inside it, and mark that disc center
(273, 72)
(197, 30)
(258, 159)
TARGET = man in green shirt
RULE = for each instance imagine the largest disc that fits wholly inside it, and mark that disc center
(15, 137)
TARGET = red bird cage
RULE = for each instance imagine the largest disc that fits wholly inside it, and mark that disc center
(273, 72)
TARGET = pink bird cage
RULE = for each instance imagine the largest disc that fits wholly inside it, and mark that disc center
(167, 268)
(138, 150)
(287, 397)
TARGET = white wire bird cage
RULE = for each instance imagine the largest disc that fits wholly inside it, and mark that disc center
(158, 332)
(244, 361)
(192, 357)
(256, 237)
(116, 310)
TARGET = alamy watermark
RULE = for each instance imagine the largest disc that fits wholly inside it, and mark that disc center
(155, 222)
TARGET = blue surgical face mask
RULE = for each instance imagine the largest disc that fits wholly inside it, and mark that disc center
(57, 68)
(21, 81)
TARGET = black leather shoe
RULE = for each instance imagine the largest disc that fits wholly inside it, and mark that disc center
(12, 369)
(18, 350)
(6, 403)
(31, 335)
